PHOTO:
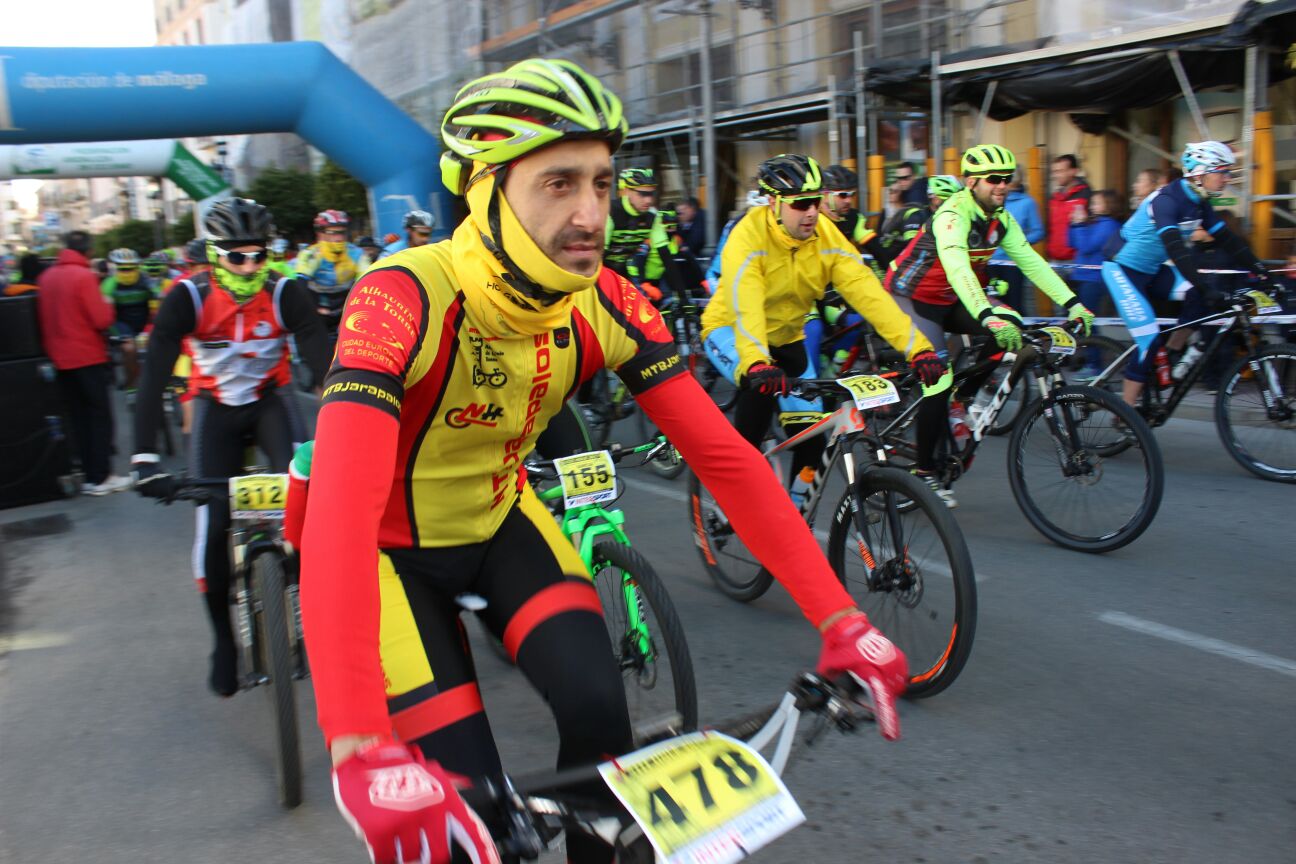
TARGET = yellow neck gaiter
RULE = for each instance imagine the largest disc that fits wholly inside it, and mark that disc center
(509, 301)
(127, 277)
(335, 252)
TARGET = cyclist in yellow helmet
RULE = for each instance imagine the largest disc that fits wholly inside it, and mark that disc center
(419, 461)
(941, 275)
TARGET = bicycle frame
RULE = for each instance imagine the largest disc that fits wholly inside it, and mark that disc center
(583, 526)
(1025, 359)
(1157, 409)
(846, 423)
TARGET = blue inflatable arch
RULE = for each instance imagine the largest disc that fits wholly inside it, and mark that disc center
(53, 95)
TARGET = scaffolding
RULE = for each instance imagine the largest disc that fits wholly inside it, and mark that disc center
(700, 78)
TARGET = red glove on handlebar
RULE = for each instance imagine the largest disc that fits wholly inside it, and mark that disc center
(854, 645)
(928, 366)
(406, 809)
(768, 380)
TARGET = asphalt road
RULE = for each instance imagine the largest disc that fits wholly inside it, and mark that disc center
(1135, 707)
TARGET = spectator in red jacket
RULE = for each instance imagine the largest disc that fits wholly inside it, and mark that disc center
(73, 317)
(1071, 195)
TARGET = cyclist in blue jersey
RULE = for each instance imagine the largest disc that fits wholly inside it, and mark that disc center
(418, 232)
(331, 266)
(1162, 225)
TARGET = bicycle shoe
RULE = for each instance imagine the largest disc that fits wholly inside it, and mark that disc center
(945, 495)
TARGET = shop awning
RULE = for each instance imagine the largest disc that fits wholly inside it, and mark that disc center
(1101, 77)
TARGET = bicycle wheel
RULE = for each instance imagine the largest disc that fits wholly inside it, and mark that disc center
(1094, 354)
(910, 572)
(732, 567)
(723, 392)
(653, 657)
(664, 465)
(276, 648)
(1256, 414)
(1068, 489)
(981, 399)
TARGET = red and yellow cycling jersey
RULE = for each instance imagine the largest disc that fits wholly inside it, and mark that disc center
(470, 400)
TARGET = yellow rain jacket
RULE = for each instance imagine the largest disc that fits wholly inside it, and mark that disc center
(768, 282)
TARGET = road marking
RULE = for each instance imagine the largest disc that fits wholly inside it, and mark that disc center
(1201, 643)
(30, 641)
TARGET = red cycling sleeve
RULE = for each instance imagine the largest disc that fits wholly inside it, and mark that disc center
(351, 478)
(355, 449)
(746, 488)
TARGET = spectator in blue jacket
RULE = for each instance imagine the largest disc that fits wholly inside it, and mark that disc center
(1088, 236)
(1024, 209)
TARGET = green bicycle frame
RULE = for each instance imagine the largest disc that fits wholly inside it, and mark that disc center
(583, 526)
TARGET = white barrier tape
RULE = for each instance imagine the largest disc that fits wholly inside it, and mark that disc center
(1120, 322)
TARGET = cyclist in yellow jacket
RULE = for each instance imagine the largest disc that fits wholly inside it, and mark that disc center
(776, 264)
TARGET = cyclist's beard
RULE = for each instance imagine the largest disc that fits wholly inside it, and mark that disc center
(553, 247)
(511, 281)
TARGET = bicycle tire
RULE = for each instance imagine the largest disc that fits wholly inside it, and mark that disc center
(1079, 404)
(666, 632)
(662, 466)
(894, 593)
(1234, 384)
(733, 569)
(723, 392)
(270, 586)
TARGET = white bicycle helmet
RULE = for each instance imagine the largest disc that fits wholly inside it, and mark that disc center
(756, 199)
(124, 257)
(1207, 156)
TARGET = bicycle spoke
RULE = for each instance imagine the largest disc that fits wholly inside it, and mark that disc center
(1261, 432)
(1064, 478)
(908, 589)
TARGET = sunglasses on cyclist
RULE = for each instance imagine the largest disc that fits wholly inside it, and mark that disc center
(998, 179)
(237, 258)
(904, 176)
(844, 194)
(333, 231)
(802, 204)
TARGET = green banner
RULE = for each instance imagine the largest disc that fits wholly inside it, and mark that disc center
(193, 176)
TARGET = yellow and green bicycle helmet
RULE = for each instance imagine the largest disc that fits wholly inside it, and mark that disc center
(988, 159)
(505, 115)
(637, 178)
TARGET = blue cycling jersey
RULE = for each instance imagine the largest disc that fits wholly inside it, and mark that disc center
(393, 247)
(1173, 207)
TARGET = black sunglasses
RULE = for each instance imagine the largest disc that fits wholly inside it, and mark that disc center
(237, 258)
(904, 176)
(802, 204)
(998, 179)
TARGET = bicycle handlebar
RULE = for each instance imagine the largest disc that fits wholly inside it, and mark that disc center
(535, 808)
(545, 467)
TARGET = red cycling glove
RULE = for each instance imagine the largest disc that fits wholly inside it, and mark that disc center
(928, 366)
(767, 380)
(854, 645)
(406, 809)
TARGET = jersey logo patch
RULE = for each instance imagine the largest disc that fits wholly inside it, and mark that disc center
(359, 322)
(486, 368)
(562, 337)
(262, 329)
(474, 414)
